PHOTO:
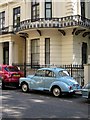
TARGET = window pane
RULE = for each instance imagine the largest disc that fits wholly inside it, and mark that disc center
(48, 9)
(35, 10)
(48, 13)
(2, 19)
(48, 5)
(47, 59)
(48, 0)
(16, 16)
(35, 51)
(47, 51)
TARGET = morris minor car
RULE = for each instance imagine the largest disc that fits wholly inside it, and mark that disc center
(55, 80)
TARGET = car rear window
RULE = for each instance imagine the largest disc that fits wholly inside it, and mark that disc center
(63, 73)
(11, 69)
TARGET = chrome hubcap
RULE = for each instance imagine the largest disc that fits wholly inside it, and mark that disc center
(56, 92)
(24, 87)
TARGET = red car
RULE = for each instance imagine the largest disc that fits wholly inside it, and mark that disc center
(10, 75)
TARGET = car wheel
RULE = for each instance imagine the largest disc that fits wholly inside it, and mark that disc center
(25, 87)
(56, 92)
(3, 85)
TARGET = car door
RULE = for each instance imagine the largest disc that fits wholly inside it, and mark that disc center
(37, 80)
(49, 78)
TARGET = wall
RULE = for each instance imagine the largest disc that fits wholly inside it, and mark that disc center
(59, 9)
(19, 48)
(67, 47)
(77, 48)
(55, 45)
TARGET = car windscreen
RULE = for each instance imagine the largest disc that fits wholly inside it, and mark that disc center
(11, 69)
(63, 73)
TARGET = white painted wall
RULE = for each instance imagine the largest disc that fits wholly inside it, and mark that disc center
(77, 48)
(55, 45)
(67, 48)
(86, 74)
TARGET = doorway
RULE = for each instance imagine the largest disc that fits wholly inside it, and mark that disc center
(84, 53)
(6, 53)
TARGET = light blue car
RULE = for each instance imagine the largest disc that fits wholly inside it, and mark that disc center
(55, 80)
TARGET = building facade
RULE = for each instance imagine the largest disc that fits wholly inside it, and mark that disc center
(44, 32)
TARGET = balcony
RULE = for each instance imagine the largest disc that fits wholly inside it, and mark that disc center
(4, 30)
(63, 22)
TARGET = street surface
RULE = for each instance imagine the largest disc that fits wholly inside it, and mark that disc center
(16, 104)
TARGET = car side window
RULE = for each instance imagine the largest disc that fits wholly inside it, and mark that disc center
(63, 73)
(49, 73)
(40, 73)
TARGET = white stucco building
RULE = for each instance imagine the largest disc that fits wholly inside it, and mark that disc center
(48, 31)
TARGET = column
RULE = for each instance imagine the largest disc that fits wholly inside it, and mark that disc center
(11, 52)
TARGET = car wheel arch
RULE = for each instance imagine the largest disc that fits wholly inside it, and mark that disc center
(24, 85)
(54, 86)
(56, 91)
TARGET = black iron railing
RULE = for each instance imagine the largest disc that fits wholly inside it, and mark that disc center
(75, 71)
(4, 30)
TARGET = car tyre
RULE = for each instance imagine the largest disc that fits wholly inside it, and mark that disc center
(56, 91)
(24, 87)
(3, 85)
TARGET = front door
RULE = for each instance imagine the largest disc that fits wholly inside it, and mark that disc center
(37, 80)
(49, 79)
(6, 53)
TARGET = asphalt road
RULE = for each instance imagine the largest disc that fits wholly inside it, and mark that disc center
(16, 104)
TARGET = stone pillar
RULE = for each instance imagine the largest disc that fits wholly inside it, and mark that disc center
(86, 73)
(11, 52)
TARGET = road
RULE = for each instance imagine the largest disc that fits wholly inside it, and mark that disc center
(16, 104)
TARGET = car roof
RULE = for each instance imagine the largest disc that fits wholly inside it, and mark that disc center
(52, 69)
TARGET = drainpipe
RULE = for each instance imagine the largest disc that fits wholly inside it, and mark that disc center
(24, 36)
(25, 58)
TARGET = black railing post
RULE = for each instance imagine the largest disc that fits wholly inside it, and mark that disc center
(25, 68)
(71, 70)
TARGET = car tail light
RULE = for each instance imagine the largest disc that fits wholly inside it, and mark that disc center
(70, 87)
(10, 75)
